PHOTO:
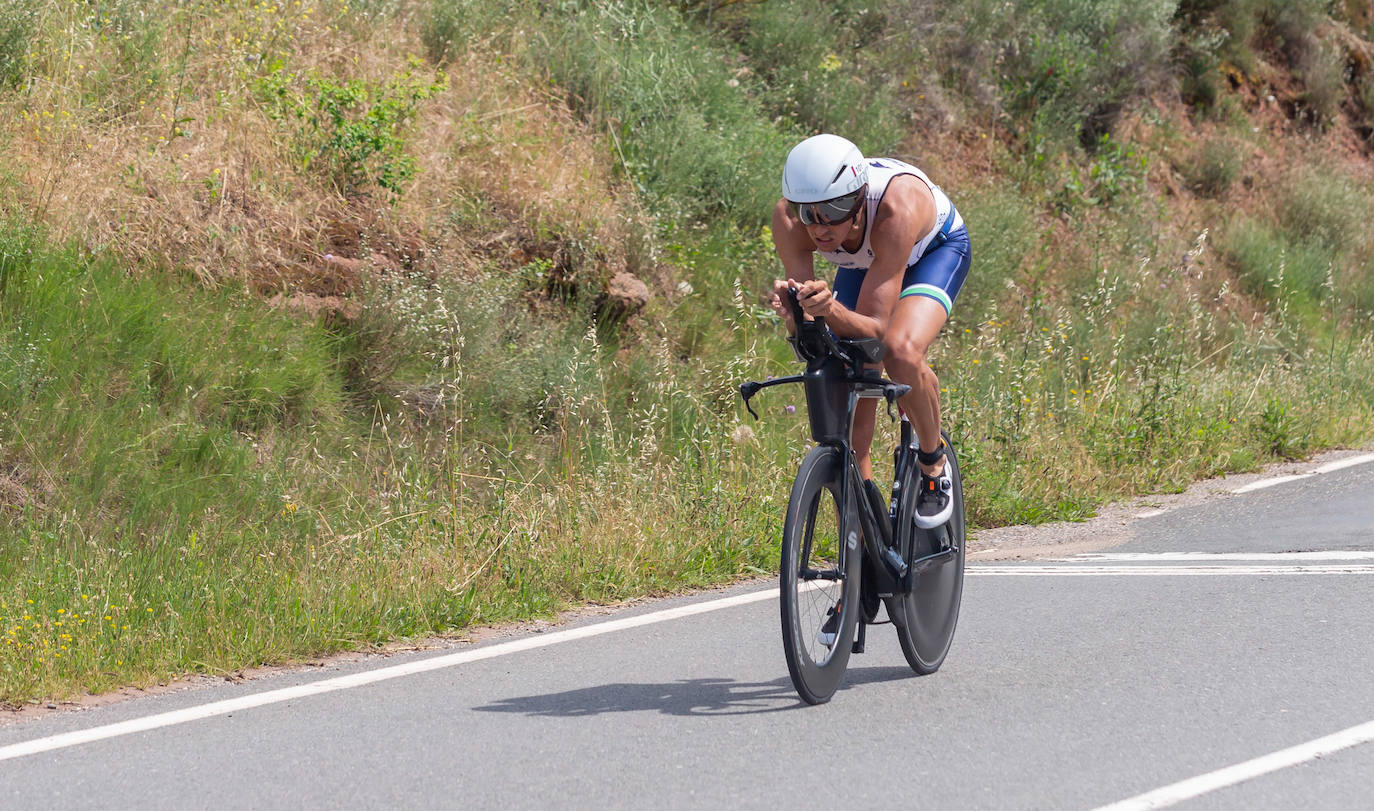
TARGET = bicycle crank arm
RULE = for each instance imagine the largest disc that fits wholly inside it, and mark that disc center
(822, 574)
(925, 564)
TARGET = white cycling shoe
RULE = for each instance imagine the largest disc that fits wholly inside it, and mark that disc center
(826, 636)
(935, 501)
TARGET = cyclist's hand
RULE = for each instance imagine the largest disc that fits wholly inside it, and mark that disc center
(815, 298)
(779, 303)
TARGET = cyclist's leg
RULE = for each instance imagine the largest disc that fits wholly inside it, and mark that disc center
(929, 288)
(847, 284)
(916, 321)
(861, 439)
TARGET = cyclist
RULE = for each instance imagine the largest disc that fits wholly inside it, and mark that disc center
(902, 253)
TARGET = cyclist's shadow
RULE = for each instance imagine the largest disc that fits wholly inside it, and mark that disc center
(685, 697)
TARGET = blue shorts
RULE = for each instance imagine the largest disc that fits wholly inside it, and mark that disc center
(939, 274)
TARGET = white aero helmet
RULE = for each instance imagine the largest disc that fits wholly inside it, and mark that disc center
(824, 178)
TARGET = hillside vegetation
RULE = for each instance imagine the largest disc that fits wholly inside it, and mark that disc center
(324, 325)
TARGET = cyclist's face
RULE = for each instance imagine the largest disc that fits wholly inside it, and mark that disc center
(829, 237)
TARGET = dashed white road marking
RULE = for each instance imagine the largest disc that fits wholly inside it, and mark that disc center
(1329, 467)
(1250, 769)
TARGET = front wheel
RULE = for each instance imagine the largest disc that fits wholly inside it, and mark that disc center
(925, 617)
(820, 578)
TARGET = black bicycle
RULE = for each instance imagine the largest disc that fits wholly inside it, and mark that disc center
(844, 552)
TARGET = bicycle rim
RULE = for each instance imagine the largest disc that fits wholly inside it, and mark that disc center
(930, 612)
(812, 542)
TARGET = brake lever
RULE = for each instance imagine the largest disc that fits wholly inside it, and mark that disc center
(748, 390)
(893, 392)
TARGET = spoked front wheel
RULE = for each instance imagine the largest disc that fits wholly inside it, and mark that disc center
(925, 617)
(820, 578)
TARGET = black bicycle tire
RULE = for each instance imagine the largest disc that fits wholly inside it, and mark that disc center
(816, 682)
(926, 617)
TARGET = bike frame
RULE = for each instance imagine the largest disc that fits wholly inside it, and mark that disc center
(836, 378)
(834, 381)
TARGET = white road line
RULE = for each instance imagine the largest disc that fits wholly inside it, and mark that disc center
(1175, 570)
(1263, 483)
(227, 706)
(1349, 461)
(1250, 769)
(1279, 557)
(1329, 467)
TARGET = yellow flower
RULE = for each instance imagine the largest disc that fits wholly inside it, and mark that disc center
(831, 63)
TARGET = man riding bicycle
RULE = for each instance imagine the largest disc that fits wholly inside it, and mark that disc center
(902, 254)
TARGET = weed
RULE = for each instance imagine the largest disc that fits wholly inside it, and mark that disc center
(355, 129)
(1212, 167)
(18, 24)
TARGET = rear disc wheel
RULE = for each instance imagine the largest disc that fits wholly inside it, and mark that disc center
(926, 617)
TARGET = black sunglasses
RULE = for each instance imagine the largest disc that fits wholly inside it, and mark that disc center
(835, 211)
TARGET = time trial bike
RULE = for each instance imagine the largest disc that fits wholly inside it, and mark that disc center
(844, 551)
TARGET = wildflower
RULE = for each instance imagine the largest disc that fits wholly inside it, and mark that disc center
(790, 409)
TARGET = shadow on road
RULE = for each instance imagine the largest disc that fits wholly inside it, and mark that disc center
(685, 697)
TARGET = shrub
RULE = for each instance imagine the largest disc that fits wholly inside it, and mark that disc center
(1320, 203)
(1322, 71)
(443, 29)
(1074, 67)
(1274, 267)
(1211, 168)
(815, 69)
(18, 22)
(355, 128)
(690, 134)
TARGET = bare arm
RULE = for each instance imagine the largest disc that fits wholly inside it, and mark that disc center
(795, 249)
(906, 214)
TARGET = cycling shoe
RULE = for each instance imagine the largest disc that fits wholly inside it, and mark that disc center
(934, 501)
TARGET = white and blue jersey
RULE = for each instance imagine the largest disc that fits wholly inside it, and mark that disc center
(939, 260)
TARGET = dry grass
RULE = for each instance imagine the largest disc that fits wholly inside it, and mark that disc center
(193, 173)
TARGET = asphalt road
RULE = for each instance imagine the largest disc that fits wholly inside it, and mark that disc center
(1072, 684)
